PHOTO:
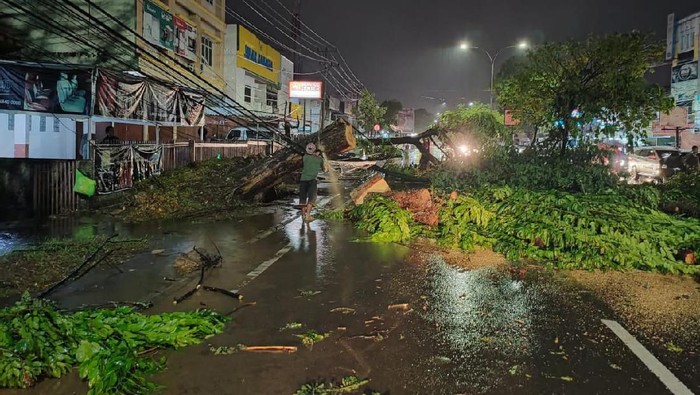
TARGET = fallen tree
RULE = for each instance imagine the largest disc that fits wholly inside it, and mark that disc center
(564, 230)
(264, 175)
(418, 141)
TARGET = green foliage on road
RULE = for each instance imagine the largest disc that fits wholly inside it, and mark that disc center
(107, 345)
(383, 219)
(197, 190)
(38, 266)
(347, 385)
(602, 77)
(560, 229)
(681, 194)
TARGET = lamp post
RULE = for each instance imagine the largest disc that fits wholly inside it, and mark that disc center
(465, 46)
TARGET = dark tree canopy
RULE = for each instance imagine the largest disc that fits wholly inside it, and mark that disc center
(392, 110)
(562, 86)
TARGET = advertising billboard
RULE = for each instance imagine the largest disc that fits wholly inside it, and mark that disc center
(305, 89)
(57, 90)
(158, 27)
(257, 57)
(185, 39)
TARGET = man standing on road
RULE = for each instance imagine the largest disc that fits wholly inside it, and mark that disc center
(314, 161)
(692, 160)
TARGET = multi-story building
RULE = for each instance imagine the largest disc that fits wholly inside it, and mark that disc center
(172, 40)
(189, 31)
(682, 49)
(256, 74)
(683, 38)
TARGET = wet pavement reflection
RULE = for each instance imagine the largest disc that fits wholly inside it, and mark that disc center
(448, 331)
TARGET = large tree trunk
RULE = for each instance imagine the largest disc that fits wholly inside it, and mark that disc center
(426, 157)
(336, 138)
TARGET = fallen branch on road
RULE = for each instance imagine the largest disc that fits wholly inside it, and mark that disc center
(80, 267)
(271, 349)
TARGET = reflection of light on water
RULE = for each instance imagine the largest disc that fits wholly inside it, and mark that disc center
(311, 239)
(472, 305)
(8, 243)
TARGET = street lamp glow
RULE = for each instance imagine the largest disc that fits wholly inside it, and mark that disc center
(523, 45)
(471, 103)
(463, 46)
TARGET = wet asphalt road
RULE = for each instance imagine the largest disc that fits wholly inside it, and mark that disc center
(488, 330)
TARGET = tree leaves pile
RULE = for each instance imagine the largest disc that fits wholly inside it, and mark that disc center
(681, 194)
(37, 340)
(572, 231)
(197, 189)
(35, 268)
(383, 219)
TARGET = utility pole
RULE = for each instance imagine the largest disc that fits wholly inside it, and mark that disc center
(678, 130)
(296, 34)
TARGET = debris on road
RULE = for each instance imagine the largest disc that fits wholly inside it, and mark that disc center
(349, 384)
(41, 341)
(343, 310)
(311, 337)
(670, 346)
(291, 325)
(376, 184)
(307, 294)
(270, 349)
(400, 306)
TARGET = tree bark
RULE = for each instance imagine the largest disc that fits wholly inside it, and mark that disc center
(426, 157)
(263, 176)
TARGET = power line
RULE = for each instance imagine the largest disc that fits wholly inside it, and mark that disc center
(301, 22)
(347, 81)
(235, 104)
(108, 29)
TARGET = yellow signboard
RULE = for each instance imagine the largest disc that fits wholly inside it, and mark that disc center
(257, 57)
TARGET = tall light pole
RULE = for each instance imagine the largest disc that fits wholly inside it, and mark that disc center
(465, 46)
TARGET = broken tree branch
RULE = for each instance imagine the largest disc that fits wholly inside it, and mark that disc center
(80, 267)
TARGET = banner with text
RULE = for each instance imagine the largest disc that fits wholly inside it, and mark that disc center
(158, 25)
(258, 57)
(124, 96)
(185, 39)
(49, 89)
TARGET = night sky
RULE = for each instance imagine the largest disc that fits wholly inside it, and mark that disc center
(406, 49)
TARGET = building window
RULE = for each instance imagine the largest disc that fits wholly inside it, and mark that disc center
(10, 122)
(42, 123)
(207, 51)
(686, 33)
(271, 96)
(247, 94)
(56, 125)
(210, 2)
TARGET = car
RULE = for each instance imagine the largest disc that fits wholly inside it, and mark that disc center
(245, 133)
(650, 161)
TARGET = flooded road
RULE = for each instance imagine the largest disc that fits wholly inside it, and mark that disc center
(407, 321)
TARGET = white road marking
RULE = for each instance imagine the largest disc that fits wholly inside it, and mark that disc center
(279, 254)
(669, 379)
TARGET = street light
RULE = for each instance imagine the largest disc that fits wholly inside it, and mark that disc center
(465, 46)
